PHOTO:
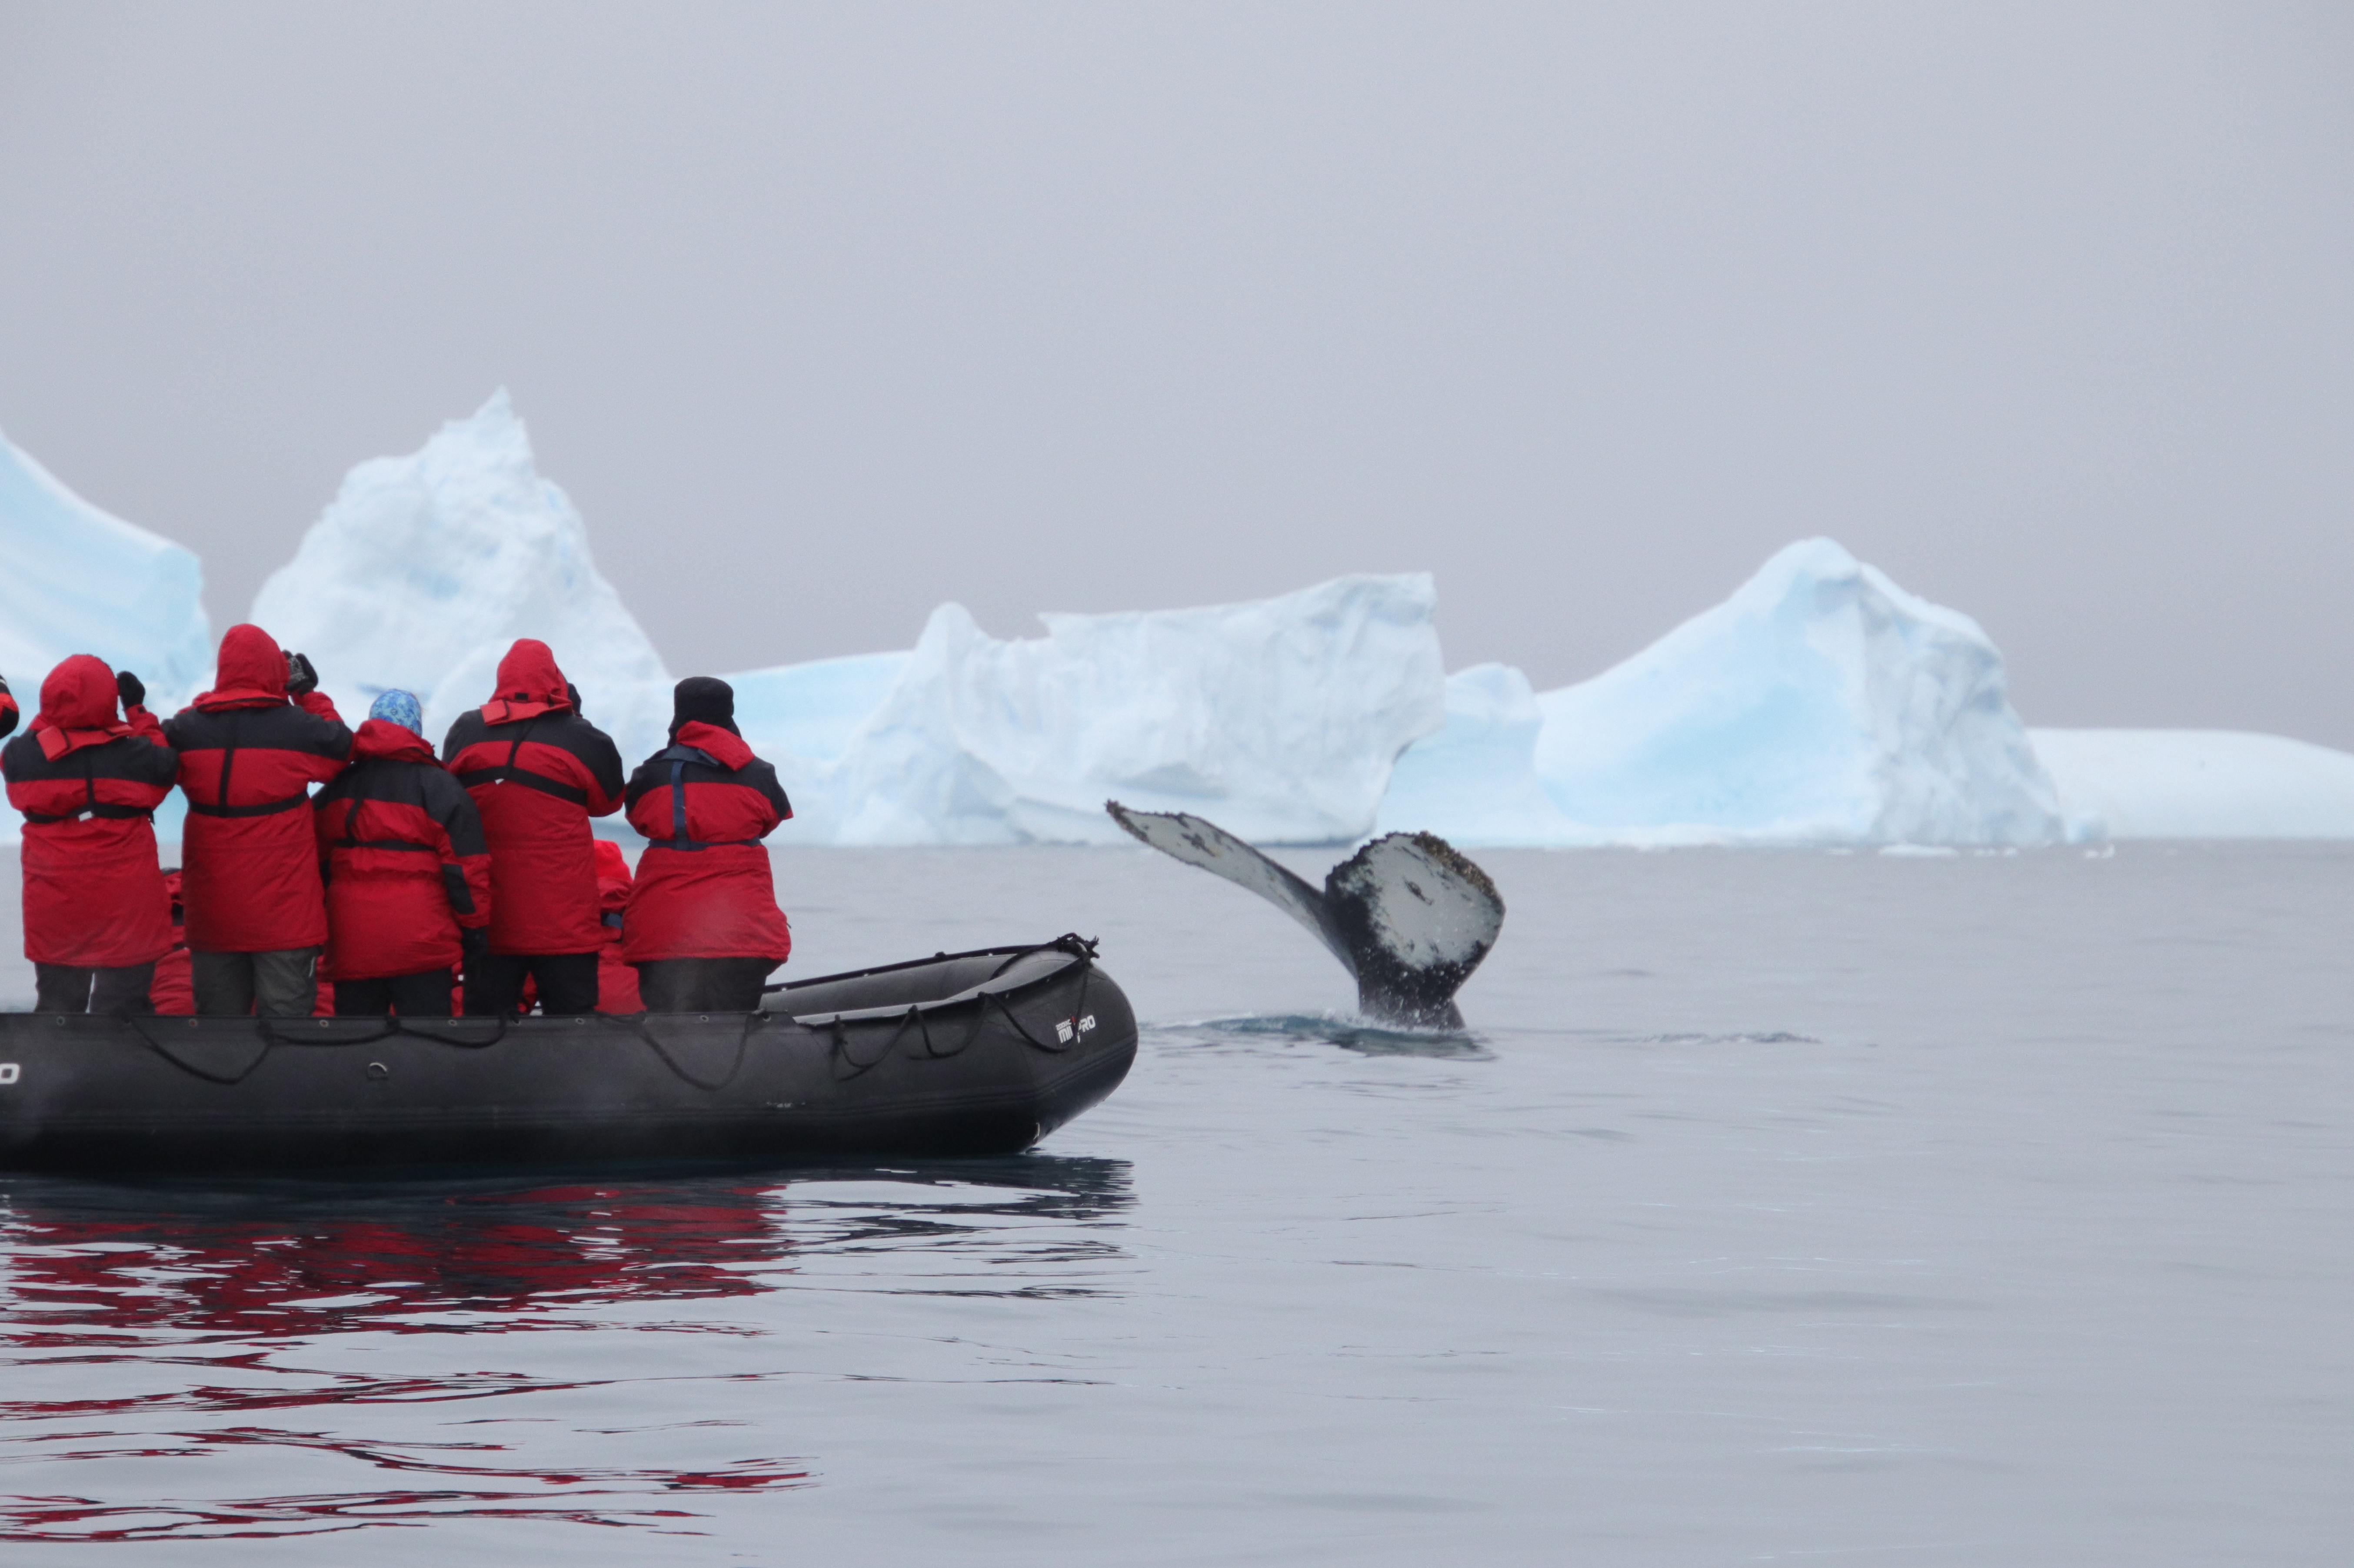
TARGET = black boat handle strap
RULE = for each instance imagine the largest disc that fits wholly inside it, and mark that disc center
(277, 1032)
(743, 1039)
(842, 1050)
(1054, 1047)
(192, 1069)
(419, 1029)
(272, 1031)
(923, 1022)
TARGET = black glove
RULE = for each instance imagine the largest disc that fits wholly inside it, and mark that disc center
(572, 695)
(130, 688)
(300, 676)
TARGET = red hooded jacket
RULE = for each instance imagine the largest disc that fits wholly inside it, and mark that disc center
(537, 771)
(704, 890)
(174, 989)
(617, 982)
(401, 848)
(89, 782)
(248, 754)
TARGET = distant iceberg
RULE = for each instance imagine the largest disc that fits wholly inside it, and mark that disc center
(425, 568)
(1820, 704)
(74, 580)
(1280, 719)
(2197, 784)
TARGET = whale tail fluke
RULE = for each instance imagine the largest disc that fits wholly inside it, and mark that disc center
(1408, 915)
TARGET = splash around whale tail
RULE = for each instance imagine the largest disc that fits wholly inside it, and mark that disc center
(1408, 915)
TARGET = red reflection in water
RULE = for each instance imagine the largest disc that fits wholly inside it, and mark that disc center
(192, 1305)
(205, 1289)
(404, 1263)
(27, 1519)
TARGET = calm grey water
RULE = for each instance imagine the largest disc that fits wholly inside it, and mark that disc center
(1865, 1209)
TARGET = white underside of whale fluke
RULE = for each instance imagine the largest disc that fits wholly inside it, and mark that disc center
(1408, 915)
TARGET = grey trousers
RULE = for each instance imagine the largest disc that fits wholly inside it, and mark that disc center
(282, 981)
(69, 988)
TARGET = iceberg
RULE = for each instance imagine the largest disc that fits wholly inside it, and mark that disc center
(1281, 718)
(425, 568)
(2197, 784)
(1475, 782)
(79, 580)
(1820, 704)
(811, 712)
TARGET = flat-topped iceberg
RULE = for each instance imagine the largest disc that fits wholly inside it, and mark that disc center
(74, 580)
(1820, 704)
(425, 568)
(1281, 718)
(2197, 784)
(811, 712)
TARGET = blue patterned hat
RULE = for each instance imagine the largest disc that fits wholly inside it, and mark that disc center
(400, 707)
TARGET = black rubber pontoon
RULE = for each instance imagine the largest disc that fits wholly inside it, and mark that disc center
(979, 1052)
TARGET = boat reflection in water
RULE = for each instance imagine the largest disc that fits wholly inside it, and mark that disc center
(222, 1326)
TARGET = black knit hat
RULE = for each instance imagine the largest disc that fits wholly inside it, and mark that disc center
(703, 698)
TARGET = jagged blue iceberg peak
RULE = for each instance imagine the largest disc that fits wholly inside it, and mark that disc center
(1820, 704)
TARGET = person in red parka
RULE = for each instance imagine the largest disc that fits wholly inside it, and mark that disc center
(537, 771)
(171, 991)
(617, 982)
(88, 780)
(7, 709)
(408, 873)
(249, 750)
(703, 927)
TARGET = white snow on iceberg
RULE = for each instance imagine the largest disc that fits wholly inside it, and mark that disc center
(425, 568)
(1821, 704)
(2197, 784)
(78, 580)
(1280, 719)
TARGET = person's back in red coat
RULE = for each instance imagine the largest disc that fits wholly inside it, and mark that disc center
(703, 925)
(87, 780)
(407, 873)
(249, 750)
(537, 772)
(617, 982)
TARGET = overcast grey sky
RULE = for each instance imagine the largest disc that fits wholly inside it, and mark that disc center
(826, 313)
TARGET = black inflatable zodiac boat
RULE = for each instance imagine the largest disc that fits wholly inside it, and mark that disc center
(979, 1052)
